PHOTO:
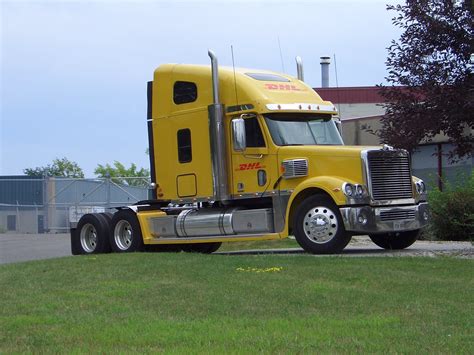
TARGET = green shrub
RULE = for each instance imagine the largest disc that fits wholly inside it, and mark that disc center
(452, 210)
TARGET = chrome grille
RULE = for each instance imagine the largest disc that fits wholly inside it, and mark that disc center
(389, 175)
(295, 168)
(395, 215)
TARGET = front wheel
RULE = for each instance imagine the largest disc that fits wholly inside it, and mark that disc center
(318, 226)
(125, 232)
(395, 240)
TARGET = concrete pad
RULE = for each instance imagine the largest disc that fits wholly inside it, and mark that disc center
(23, 247)
(362, 246)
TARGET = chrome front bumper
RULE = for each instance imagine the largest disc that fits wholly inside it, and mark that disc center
(368, 220)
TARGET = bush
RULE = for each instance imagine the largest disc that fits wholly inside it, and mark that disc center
(452, 211)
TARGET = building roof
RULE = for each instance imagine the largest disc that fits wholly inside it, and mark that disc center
(351, 95)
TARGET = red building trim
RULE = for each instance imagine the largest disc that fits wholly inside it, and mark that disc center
(351, 95)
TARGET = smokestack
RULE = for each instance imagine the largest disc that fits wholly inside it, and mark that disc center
(217, 134)
(325, 61)
(299, 68)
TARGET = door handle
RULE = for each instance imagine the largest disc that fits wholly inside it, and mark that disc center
(253, 156)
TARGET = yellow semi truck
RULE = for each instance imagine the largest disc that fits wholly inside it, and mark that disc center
(242, 155)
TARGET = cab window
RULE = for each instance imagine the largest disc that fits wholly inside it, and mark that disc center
(253, 133)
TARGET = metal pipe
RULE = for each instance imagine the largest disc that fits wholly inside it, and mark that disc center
(215, 76)
(217, 135)
(325, 61)
(299, 68)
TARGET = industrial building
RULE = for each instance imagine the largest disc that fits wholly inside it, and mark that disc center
(48, 204)
(361, 109)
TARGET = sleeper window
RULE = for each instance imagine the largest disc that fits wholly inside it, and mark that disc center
(184, 92)
(184, 146)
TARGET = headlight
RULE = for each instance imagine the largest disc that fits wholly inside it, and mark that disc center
(348, 189)
(420, 187)
(354, 191)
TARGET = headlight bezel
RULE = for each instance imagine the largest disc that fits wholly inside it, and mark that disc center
(354, 191)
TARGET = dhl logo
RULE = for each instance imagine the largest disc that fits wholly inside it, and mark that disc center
(285, 87)
(249, 166)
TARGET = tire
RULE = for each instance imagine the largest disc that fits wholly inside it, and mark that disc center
(125, 233)
(318, 226)
(91, 235)
(395, 240)
(108, 216)
(204, 248)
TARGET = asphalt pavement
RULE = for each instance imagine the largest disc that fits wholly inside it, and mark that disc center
(24, 247)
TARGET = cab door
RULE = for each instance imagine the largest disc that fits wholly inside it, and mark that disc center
(254, 169)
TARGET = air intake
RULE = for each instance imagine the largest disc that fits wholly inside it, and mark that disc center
(295, 168)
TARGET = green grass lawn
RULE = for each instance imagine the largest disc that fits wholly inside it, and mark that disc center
(261, 244)
(191, 303)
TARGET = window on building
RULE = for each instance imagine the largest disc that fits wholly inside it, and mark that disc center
(184, 92)
(253, 133)
(184, 146)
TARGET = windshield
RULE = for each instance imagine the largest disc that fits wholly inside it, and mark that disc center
(302, 129)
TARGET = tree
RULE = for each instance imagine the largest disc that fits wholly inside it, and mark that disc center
(121, 175)
(431, 61)
(60, 168)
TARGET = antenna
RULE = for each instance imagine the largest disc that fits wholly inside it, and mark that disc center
(281, 56)
(235, 81)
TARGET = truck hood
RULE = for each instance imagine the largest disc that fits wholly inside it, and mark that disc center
(325, 150)
(343, 162)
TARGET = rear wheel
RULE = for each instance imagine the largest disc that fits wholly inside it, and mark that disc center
(91, 235)
(395, 240)
(318, 226)
(125, 232)
(108, 216)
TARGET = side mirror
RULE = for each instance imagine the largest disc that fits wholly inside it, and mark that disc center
(238, 134)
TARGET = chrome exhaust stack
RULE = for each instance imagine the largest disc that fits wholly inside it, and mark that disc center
(215, 77)
(217, 135)
(299, 68)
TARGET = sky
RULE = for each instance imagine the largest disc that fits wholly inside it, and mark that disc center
(73, 74)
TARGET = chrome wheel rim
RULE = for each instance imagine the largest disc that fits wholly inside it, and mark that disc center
(88, 238)
(320, 225)
(123, 235)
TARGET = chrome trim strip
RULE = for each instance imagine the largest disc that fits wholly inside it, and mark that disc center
(268, 193)
(302, 107)
(184, 240)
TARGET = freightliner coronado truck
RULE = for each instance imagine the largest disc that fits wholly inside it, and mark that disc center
(245, 155)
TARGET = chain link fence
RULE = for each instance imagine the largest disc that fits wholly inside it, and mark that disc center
(52, 205)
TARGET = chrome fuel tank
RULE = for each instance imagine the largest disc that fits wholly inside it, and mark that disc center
(213, 222)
